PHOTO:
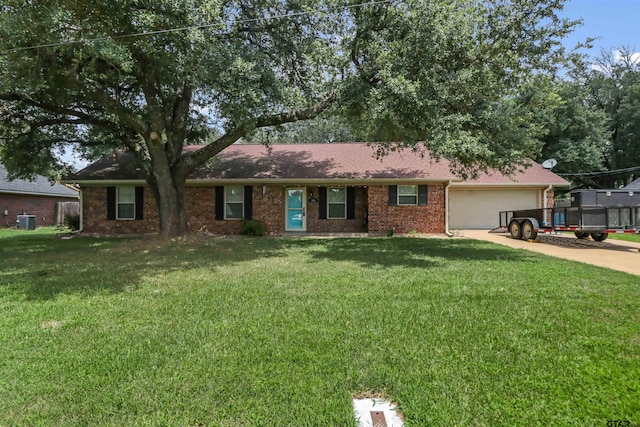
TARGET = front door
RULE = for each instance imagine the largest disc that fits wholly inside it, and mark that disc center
(296, 212)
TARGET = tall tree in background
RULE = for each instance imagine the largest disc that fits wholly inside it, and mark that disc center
(614, 88)
(149, 76)
(576, 133)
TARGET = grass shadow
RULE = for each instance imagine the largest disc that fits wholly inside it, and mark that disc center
(41, 267)
(410, 252)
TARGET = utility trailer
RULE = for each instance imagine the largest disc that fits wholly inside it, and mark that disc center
(595, 213)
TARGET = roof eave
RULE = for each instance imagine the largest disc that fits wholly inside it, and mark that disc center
(267, 181)
(32, 193)
(509, 184)
(314, 181)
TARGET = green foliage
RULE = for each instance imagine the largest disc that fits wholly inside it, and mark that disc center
(252, 227)
(576, 131)
(389, 232)
(282, 332)
(430, 71)
(454, 74)
(614, 89)
(150, 79)
(72, 221)
(322, 129)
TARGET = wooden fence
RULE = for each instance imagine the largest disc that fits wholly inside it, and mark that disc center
(66, 208)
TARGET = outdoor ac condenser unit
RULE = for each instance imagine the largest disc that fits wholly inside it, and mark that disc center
(27, 222)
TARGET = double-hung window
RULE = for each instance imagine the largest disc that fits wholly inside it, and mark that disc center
(336, 203)
(126, 203)
(234, 202)
(407, 195)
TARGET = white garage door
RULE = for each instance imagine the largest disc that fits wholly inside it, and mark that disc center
(480, 208)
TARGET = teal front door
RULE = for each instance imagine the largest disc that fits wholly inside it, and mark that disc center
(296, 211)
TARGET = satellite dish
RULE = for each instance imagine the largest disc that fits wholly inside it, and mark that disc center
(549, 164)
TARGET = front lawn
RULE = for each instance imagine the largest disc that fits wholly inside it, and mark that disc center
(284, 332)
(625, 237)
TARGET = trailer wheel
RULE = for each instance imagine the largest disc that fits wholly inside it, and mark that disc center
(515, 229)
(599, 237)
(528, 232)
(581, 235)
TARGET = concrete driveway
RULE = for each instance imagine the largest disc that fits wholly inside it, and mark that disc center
(613, 254)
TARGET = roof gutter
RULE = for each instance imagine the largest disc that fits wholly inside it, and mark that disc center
(463, 185)
(81, 227)
(32, 193)
(269, 181)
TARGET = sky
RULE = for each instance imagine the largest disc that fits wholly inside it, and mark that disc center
(616, 23)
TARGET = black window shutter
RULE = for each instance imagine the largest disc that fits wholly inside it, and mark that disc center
(111, 203)
(219, 203)
(351, 202)
(248, 202)
(393, 195)
(322, 203)
(139, 203)
(423, 195)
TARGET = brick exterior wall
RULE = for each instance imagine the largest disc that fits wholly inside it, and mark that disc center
(356, 225)
(550, 198)
(43, 207)
(372, 212)
(94, 214)
(406, 219)
(268, 208)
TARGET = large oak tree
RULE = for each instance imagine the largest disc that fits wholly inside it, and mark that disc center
(150, 76)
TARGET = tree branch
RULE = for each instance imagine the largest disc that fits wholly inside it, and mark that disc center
(193, 160)
(179, 114)
(123, 114)
(82, 117)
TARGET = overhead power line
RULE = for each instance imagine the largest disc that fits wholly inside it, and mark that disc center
(193, 27)
(611, 172)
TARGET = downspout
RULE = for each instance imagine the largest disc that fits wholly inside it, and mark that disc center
(81, 211)
(446, 210)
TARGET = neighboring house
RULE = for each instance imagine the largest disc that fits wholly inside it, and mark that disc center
(316, 188)
(46, 201)
(634, 185)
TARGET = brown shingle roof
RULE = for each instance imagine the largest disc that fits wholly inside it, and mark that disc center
(315, 162)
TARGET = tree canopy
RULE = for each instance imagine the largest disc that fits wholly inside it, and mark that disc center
(576, 132)
(150, 76)
(614, 88)
(593, 128)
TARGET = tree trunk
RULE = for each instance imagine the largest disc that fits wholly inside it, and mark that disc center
(170, 198)
(168, 185)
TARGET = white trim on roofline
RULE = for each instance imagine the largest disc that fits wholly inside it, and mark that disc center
(32, 193)
(272, 181)
(505, 184)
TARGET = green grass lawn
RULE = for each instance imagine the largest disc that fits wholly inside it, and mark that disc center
(626, 237)
(615, 236)
(284, 332)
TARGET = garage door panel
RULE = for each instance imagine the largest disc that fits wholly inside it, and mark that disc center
(480, 208)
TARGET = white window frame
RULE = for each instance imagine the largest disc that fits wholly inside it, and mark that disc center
(118, 203)
(226, 188)
(329, 203)
(405, 194)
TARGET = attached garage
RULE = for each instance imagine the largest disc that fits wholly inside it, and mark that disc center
(479, 208)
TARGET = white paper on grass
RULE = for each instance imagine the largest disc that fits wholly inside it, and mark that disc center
(364, 407)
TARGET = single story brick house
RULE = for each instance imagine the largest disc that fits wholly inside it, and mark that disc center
(314, 188)
(46, 201)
